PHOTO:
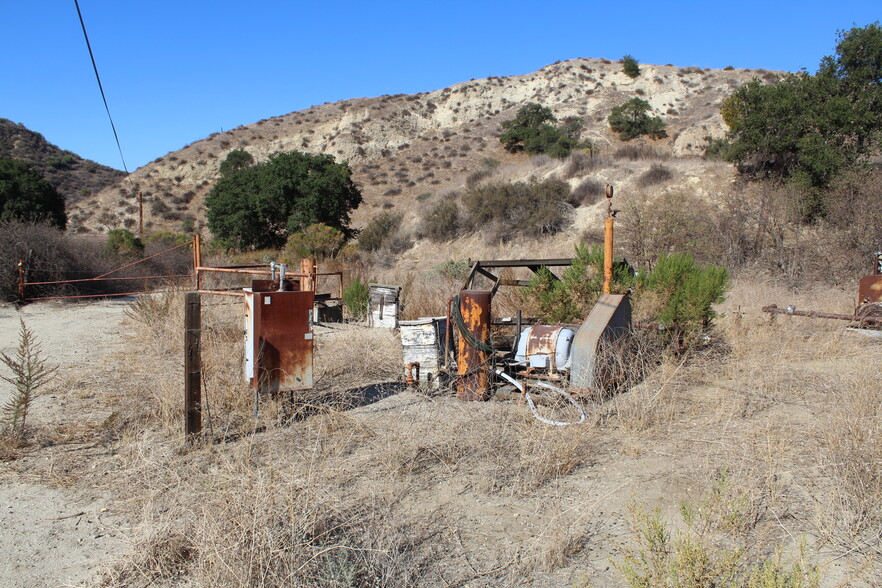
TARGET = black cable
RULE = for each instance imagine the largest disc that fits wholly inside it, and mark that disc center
(100, 87)
(463, 329)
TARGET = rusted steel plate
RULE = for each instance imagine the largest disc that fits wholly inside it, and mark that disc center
(282, 341)
(870, 289)
(609, 320)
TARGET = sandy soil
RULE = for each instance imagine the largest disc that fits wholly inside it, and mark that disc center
(59, 526)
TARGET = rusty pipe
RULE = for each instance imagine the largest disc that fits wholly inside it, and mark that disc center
(409, 380)
(607, 254)
(608, 242)
(773, 309)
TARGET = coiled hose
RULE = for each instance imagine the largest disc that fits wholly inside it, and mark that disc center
(532, 404)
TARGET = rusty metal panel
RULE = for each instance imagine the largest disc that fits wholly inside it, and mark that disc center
(870, 289)
(542, 340)
(609, 320)
(282, 341)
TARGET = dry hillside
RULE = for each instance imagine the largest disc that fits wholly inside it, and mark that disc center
(407, 146)
(74, 177)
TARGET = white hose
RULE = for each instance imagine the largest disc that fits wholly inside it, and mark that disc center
(536, 414)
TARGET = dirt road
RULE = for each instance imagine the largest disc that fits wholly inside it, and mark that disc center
(55, 532)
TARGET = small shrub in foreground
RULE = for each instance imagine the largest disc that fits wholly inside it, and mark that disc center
(29, 374)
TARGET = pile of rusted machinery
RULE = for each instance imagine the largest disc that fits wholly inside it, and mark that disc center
(455, 350)
(458, 348)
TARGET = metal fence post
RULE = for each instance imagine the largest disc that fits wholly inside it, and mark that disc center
(192, 365)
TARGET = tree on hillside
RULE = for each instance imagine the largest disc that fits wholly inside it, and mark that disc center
(808, 128)
(236, 159)
(26, 196)
(535, 130)
(259, 206)
(630, 120)
(630, 67)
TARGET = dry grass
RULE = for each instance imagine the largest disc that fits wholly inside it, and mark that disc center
(417, 490)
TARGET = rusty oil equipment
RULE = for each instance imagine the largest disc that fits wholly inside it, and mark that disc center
(867, 313)
(553, 350)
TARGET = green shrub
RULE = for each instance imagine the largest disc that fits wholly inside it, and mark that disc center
(25, 196)
(123, 242)
(687, 292)
(710, 550)
(571, 298)
(318, 241)
(534, 130)
(257, 207)
(444, 222)
(630, 67)
(378, 230)
(453, 269)
(530, 209)
(356, 297)
(235, 160)
(630, 120)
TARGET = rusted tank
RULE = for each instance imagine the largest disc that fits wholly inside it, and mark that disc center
(545, 347)
(471, 312)
(278, 339)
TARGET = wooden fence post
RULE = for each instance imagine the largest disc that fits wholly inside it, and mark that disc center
(192, 366)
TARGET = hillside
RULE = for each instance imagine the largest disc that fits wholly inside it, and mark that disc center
(74, 177)
(404, 146)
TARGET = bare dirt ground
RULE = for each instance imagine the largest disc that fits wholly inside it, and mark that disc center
(59, 525)
(426, 489)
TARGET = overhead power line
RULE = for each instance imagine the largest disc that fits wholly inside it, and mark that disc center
(100, 87)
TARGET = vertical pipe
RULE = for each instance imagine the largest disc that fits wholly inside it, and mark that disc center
(473, 365)
(21, 280)
(197, 260)
(607, 254)
(307, 266)
(192, 366)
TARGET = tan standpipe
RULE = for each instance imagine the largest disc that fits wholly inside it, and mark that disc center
(307, 282)
(608, 241)
(607, 254)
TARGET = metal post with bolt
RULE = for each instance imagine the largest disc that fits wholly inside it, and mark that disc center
(192, 366)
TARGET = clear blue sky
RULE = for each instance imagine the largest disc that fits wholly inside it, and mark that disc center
(174, 72)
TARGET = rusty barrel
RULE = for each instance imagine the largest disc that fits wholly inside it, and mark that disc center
(473, 365)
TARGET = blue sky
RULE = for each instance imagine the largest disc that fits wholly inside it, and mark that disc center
(174, 72)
